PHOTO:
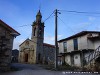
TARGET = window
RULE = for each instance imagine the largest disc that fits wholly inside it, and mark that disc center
(75, 44)
(65, 46)
(34, 31)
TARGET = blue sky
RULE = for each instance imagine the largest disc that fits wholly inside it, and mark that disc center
(17, 13)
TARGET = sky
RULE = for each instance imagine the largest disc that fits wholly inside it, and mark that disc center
(20, 14)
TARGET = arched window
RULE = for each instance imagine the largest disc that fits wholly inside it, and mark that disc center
(34, 31)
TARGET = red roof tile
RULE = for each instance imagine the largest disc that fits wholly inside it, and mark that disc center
(49, 45)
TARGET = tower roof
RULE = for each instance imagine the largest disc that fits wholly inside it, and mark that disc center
(39, 13)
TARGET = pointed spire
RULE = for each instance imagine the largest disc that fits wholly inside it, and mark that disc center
(38, 16)
(39, 13)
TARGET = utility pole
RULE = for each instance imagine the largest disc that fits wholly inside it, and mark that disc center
(56, 43)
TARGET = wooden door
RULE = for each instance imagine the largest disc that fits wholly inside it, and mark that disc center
(26, 57)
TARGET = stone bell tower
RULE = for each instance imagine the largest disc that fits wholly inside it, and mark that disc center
(38, 37)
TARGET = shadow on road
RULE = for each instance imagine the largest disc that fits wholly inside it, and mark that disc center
(20, 66)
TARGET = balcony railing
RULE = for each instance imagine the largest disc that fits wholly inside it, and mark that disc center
(92, 56)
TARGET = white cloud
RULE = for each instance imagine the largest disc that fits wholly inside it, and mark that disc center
(91, 18)
(17, 42)
(51, 39)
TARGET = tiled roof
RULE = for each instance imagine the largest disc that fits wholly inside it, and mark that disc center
(49, 45)
(8, 27)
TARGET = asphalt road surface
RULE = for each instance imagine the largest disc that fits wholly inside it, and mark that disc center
(30, 69)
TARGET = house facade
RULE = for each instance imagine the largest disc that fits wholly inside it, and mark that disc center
(7, 35)
(34, 50)
(75, 49)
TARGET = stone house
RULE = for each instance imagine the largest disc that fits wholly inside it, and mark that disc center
(80, 49)
(7, 35)
(15, 54)
(34, 50)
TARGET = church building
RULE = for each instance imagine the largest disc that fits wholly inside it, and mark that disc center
(34, 50)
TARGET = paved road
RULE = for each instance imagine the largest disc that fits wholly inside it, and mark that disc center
(27, 66)
(27, 69)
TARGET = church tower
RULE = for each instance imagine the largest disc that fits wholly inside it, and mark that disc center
(38, 37)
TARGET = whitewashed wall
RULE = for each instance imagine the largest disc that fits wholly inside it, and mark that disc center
(77, 60)
(90, 44)
(61, 49)
(68, 59)
(70, 46)
(96, 44)
(82, 42)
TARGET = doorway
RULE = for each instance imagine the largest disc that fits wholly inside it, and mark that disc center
(39, 58)
(26, 57)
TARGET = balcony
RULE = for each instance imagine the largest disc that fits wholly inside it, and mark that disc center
(93, 36)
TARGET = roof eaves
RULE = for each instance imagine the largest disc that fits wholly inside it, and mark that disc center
(45, 44)
(78, 34)
(9, 27)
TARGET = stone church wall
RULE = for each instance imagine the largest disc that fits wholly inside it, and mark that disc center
(27, 52)
(37, 51)
(49, 53)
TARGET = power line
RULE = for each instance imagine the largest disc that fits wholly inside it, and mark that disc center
(30, 24)
(65, 24)
(49, 16)
(24, 25)
(64, 11)
(44, 20)
(81, 12)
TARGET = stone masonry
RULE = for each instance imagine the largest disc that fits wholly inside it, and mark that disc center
(7, 35)
(34, 50)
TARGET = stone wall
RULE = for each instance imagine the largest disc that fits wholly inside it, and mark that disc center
(27, 47)
(6, 43)
(49, 54)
